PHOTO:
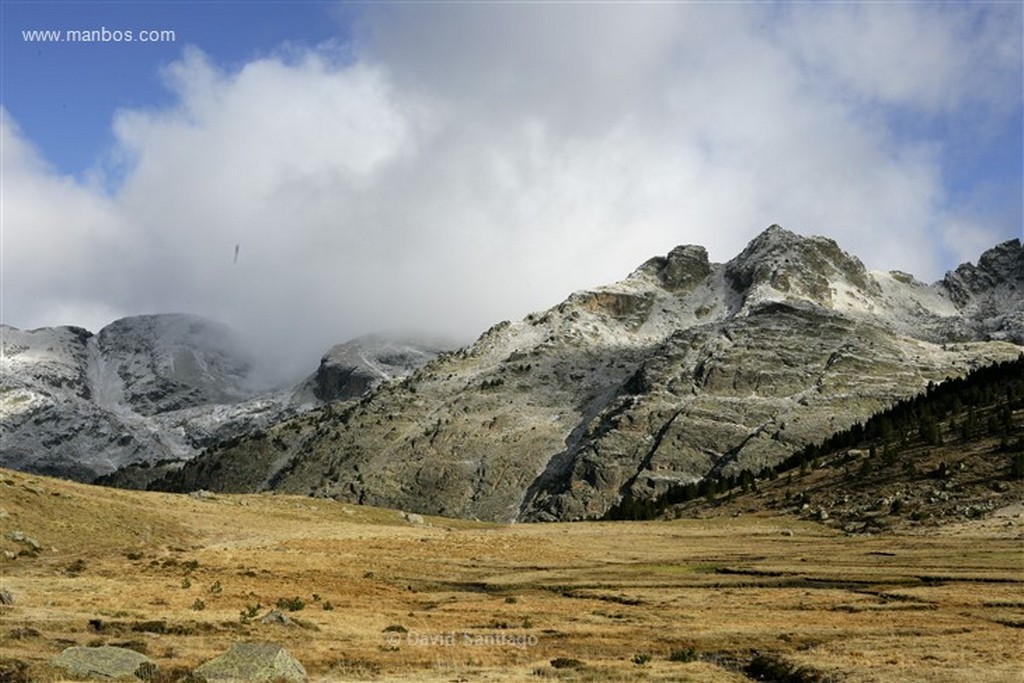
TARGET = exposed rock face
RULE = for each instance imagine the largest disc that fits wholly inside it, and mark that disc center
(351, 369)
(683, 269)
(158, 363)
(156, 387)
(990, 294)
(252, 663)
(105, 663)
(779, 265)
(683, 369)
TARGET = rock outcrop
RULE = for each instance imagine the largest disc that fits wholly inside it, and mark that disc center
(252, 663)
(105, 663)
(351, 369)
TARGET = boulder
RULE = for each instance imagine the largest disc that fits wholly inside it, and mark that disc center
(252, 663)
(276, 616)
(105, 663)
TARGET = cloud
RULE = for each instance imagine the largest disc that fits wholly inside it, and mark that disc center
(50, 222)
(461, 164)
(931, 58)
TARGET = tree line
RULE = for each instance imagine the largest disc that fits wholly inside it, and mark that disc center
(977, 405)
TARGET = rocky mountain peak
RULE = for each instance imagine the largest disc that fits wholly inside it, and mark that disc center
(681, 270)
(1000, 265)
(351, 369)
(157, 363)
(781, 265)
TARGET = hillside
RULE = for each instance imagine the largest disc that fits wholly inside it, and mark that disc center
(685, 370)
(375, 594)
(953, 453)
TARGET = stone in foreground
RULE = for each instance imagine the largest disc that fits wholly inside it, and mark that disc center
(251, 663)
(105, 664)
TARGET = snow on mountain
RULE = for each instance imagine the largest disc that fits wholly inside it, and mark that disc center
(78, 404)
(683, 369)
(351, 369)
(158, 388)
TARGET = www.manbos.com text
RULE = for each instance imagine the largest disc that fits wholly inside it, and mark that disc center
(99, 35)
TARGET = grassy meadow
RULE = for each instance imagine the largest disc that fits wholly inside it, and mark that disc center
(371, 595)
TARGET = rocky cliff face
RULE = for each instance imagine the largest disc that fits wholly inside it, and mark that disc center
(158, 389)
(349, 370)
(683, 369)
(146, 388)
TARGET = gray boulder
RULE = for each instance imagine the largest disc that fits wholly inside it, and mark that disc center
(105, 664)
(252, 663)
(276, 616)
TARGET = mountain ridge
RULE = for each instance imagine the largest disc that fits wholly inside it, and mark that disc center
(683, 369)
(148, 389)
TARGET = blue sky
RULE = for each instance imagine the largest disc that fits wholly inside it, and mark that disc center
(64, 95)
(442, 166)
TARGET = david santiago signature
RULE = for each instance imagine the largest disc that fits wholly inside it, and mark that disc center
(461, 639)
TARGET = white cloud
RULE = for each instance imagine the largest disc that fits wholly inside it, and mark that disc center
(930, 57)
(62, 241)
(468, 163)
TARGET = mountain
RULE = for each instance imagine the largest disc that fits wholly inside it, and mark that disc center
(686, 369)
(952, 453)
(152, 388)
(351, 369)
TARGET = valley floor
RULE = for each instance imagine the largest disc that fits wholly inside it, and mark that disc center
(398, 598)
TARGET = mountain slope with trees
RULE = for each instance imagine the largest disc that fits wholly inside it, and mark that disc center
(953, 452)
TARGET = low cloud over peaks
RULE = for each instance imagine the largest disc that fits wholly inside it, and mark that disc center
(463, 164)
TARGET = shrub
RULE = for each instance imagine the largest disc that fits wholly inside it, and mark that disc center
(199, 605)
(249, 613)
(683, 654)
(566, 663)
(75, 568)
(641, 658)
(291, 604)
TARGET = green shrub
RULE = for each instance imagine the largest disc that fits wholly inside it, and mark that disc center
(566, 663)
(249, 613)
(641, 658)
(683, 654)
(291, 604)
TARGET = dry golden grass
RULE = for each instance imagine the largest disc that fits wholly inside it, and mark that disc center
(501, 602)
